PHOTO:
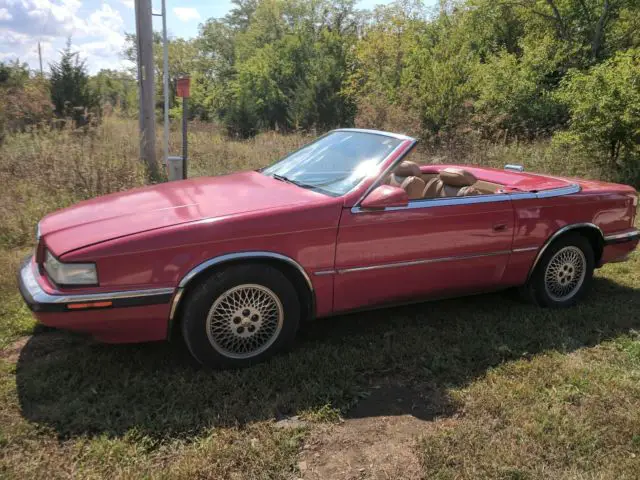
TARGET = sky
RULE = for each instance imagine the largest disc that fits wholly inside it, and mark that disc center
(96, 27)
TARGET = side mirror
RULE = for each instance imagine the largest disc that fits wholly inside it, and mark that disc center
(385, 196)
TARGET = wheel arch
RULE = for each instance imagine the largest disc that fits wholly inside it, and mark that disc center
(288, 266)
(590, 231)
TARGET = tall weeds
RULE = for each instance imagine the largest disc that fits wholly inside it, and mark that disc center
(47, 169)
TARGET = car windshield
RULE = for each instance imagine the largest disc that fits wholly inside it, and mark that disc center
(336, 162)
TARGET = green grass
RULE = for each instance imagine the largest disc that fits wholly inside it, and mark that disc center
(516, 391)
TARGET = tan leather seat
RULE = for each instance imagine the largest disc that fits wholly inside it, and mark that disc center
(451, 182)
(402, 171)
(414, 186)
(407, 176)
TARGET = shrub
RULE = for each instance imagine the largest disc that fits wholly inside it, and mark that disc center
(375, 111)
(604, 104)
(24, 106)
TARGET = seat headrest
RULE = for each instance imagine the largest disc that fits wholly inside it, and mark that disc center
(407, 169)
(414, 187)
(456, 177)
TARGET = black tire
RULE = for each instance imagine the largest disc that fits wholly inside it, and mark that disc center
(535, 291)
(200, 301)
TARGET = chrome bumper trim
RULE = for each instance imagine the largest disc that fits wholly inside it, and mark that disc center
(39, 300)
(623, 237)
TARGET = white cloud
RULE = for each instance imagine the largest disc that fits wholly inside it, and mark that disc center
(41, 17)
(103, 22)
(186, 14)
(97, 35)
(128, 3)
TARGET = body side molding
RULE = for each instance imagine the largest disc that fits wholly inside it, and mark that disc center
(557, 234)
(470, 200)
(410, 263)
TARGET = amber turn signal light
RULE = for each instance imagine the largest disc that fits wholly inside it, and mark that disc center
(79, 306)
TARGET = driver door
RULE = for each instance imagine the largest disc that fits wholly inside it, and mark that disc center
(430, 248)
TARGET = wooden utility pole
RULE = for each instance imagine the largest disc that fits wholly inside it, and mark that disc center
(144, 39)
(40, 58)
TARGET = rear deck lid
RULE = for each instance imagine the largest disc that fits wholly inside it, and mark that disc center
(516, 181)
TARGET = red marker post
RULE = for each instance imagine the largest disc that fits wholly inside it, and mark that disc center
(183, 85)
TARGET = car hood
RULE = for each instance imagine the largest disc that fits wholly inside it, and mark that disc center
(148, 208)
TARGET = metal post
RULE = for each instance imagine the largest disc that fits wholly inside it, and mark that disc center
(184, 137)
(144, 38)
(165, 80)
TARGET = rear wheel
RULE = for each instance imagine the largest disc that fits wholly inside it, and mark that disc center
(240, 315)
(563, 274)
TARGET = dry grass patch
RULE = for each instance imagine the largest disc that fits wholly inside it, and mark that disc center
(45, 170)
(212, 154)
(15, 318)
(556, 416)
(258, 452)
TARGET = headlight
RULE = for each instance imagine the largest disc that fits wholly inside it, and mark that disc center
(70, 273)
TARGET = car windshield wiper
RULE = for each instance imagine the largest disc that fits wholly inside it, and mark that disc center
(282, 178)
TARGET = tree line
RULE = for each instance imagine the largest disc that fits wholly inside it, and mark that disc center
(66, 92)
(497, 70)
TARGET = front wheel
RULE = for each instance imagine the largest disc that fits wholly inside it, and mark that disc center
(240, 315)
(564, 273)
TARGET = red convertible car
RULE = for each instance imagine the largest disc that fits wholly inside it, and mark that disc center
(236, 263)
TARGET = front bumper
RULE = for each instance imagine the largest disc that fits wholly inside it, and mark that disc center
(39, 300)
(114, 317)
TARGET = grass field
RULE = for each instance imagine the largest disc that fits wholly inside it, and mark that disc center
(503, 390)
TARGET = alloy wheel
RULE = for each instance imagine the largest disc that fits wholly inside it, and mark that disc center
(245, 321)
(565, 273)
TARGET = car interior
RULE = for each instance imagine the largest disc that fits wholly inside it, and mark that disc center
(448, 182)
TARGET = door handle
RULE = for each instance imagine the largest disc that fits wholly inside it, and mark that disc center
(499, 227)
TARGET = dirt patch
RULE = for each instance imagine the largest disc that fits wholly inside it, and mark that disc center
(11, 353)
(377, 439)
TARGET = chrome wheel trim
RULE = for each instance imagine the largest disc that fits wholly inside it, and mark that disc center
(565, 273)
(244, 321)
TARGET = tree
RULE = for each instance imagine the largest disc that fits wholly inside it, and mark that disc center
(71, 93)
(185, 58)
(240, 16)
(288, 67)
(604, 104)
(116, 89)
(13, 74)
(514, 92)
(487, 68)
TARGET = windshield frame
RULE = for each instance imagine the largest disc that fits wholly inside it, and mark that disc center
(382, 167)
